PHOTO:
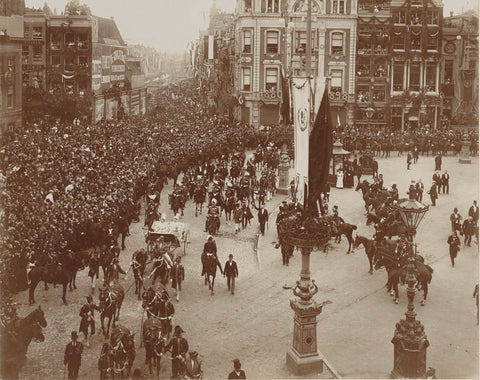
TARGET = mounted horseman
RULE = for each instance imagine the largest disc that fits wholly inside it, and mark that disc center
(212, 224)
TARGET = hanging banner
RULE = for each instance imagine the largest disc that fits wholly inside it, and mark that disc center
(301, 112)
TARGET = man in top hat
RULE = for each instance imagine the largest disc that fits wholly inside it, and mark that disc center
(468, 230)
(473, 212)
(445, 182)
(193, 366)
(179, 348)
(88, 318)
(433, 193)
(73, 356)
(237, 372)
(231, 271)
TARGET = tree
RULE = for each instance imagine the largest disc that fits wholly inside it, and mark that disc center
(73, 7)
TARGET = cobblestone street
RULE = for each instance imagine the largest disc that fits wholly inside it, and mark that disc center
(256, 323)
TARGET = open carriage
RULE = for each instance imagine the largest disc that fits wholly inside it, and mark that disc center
(176, 234)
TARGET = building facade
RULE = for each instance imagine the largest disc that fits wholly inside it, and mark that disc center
(416, 63)
(271, 38)
(34, 54)
(69, 54)
(373, 64)
(459, 74)
(11, 40)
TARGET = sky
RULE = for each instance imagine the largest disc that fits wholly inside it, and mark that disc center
(169, 25)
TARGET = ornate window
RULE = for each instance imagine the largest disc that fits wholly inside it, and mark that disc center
(398, 17)
(415, 76)
(246, 78)
(37, 54)
(247, 5)
(338, 7)
(398, 74)
(432, 17)
(83, 41)
(337, 43)
(336, 82)
(55, 41)
(432, 41)
(301, 42)
(37, 33)
(55, 60)
(69, 39)
(247, 41)
(363, 93)
(271, 79)
(272, 41)
(379, 93)
(272, 6)
(431, 77)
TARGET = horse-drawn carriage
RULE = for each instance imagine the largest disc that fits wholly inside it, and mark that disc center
(368, 164)
(175, 233)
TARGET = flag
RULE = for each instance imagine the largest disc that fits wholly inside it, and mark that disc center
(301, 107)
(320, 153)
(285, 108)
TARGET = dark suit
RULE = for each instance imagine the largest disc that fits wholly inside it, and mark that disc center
(433, 194)
(473, 213)
(262, 219)
(445, 182)
(231, 271)
(454, 246)
(179, 347)
(73, 359)
(467, 228)
(241, 375)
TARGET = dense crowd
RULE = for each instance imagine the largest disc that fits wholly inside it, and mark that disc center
(426, 139)
(59, 178)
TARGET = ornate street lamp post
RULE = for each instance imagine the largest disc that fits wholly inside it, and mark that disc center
(409, 340)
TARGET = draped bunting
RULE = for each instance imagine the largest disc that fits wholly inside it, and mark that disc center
(301, 117)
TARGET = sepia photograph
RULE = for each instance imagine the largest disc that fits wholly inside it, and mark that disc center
(233, 189)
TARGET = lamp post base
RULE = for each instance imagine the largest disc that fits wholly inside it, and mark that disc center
(304, 364)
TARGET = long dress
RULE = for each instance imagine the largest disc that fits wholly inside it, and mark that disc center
(339, 179)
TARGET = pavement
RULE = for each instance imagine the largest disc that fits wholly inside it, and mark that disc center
(256, 324)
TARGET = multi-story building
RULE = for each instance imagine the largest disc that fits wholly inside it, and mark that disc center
(69, 54)
(271, 39)
(34, 54)
(259, 59)
(11, 40)
(113, 91)
(373, 64)
(459, 74)
(416, 62)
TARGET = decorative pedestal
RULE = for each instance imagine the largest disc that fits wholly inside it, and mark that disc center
(304, 357)
(283, 172)
(409, 340)
(465, 152)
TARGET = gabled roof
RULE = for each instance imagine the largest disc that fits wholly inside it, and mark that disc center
(108, 32)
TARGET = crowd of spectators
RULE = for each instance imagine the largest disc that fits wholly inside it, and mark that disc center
(58, 178)
(427, 140)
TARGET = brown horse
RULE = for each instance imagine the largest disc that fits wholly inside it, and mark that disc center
(347, 230)
(110, 302)
(15, 339)
(155, 342)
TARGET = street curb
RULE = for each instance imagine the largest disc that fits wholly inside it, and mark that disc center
(331, 369)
